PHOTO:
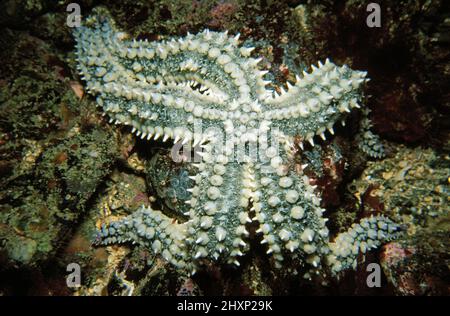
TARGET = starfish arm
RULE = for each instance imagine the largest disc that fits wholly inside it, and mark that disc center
(316, 101)
(370, 233)
(288, 209)
(218, 210)
(149, 228)
(160, 88)
(369, 142)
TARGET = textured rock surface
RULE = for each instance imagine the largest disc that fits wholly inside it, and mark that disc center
(419, 265)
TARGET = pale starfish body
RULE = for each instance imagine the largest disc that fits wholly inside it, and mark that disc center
(206, 89)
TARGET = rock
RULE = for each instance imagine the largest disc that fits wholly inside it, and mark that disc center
(419, 265)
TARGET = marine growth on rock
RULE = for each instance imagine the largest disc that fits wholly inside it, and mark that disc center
(206, 90)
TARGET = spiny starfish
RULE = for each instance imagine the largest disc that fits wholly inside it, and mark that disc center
(206, 89)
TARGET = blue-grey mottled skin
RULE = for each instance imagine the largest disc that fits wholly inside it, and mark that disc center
(205, 88)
